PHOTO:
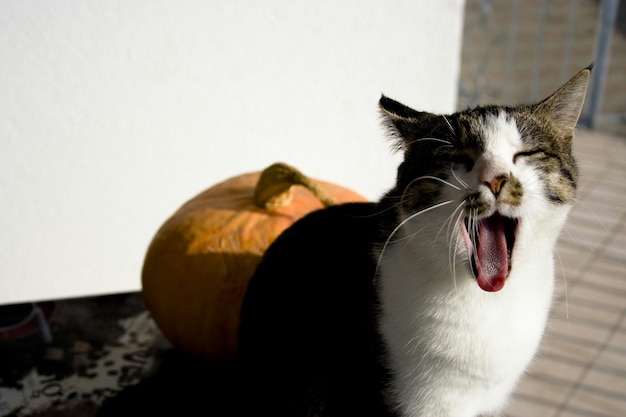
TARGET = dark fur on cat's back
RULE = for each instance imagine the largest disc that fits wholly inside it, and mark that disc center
(355, 309)
(322, 293)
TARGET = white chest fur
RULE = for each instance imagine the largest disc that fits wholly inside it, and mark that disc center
(455, 350)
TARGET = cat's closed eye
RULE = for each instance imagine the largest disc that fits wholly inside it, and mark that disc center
(531, 152)
(462, 160)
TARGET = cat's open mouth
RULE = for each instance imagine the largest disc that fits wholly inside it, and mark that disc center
(491, 242)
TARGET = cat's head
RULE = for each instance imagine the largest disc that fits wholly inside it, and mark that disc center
(482, 176)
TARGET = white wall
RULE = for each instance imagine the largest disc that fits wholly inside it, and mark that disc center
(113, 113)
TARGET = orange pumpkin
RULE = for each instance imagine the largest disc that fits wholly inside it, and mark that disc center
(197, 267)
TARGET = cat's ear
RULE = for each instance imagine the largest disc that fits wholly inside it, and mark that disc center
(397, 111)
(404, 122)
(563, 107)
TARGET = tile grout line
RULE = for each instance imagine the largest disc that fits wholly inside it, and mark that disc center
(590, 363)
(580, 362)
(604, 243)
(579, 277)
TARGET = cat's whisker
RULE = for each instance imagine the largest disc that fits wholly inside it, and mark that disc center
(566, 231)
(456, 177)
(529, 220)
(402, 223)
(558, 256)
(449, 125)
(598, 218)
(458, 209)
(447, 142)
(453, 241)
(457, 236)
(528, 215)
(573, 239)
(377, 213)
(449, 221)
(580, 237)
(529, 182)
(429, 177)
(421, 212)
(576, 201)
(409, 238)
(391, 207)
(473, 229)
(452, 260)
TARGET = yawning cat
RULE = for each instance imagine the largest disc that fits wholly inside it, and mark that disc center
(433, 300)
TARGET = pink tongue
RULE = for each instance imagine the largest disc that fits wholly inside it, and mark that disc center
(492, 254)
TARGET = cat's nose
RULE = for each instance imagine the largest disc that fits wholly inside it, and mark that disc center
(495, 184)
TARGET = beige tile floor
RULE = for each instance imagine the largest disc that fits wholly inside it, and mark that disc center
(580, 370)
(581, 366)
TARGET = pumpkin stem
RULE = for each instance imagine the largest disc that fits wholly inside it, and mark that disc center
(274, 186)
